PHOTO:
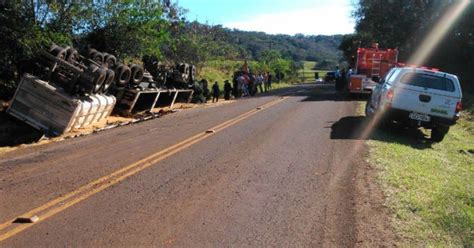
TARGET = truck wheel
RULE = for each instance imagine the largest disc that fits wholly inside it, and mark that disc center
(98, 57)
(438, 133)
(72, 55)
(109, 80)
(110, 60)
(99, 77)
(92, 79)
(122, 75)
(91, 52)
(58, 52)
(137, 74)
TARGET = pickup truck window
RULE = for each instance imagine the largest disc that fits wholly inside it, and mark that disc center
(385, 79)
(393, 74)
(428, 81)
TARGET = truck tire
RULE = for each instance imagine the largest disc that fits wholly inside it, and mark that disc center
(438, 133)
(109, 80)
(98, 57)
(100, 75)
(92, 79)
(122, 75)
(58, 52)
(72, 55)
(91, 52)
(110, 60)
(137, 74)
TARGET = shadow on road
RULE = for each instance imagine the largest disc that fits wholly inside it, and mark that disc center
(352, 127)
(14, 132)
(327, 92)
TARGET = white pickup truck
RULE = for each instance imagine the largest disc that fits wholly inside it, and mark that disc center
(418, 97)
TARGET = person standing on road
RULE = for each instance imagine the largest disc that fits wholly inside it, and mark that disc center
(235, 83)
(205, 89)
(260, 82)
(227, 90)
(349, 72)
(338, 78)
(215, 92)
(252, 84)
(270, 77)
(343, 79)
(265, 81)
(245, 85)
(348, 77)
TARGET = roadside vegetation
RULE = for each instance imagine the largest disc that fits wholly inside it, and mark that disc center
(428, 186)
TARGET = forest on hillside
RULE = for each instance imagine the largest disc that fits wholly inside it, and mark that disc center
(132, 29)
(319, 48)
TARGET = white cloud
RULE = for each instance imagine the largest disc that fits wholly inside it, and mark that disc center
(333, 18)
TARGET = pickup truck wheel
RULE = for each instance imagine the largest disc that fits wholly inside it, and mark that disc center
(438, 133)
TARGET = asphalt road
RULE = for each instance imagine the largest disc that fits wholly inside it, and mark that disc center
(276, 176)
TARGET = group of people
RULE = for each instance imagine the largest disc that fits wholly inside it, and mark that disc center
(243, 84)
(248, 84)
(342, 77)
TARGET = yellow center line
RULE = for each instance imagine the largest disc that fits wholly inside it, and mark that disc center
(59, 204)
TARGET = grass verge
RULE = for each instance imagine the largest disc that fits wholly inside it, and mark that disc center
(429, 186)
(307, 74)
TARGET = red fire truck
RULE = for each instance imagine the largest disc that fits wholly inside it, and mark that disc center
(371, 62)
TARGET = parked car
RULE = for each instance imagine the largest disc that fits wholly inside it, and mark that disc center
(330, 76)
(418, 97)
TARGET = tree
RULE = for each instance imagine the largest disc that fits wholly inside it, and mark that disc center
(28, 26)
(130, 28)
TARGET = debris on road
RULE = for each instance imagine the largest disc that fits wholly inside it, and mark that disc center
(32, 219)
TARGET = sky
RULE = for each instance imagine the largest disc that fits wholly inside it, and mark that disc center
(309, 17)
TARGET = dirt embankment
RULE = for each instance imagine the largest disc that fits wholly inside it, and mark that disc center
(15, 134)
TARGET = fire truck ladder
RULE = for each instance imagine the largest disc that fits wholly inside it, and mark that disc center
(376, 61)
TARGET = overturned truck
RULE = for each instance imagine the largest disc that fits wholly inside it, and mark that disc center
(65, 90)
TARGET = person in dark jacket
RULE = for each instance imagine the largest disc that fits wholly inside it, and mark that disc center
(270, 78)
(227, 89)
(215, 92)
(205, 88)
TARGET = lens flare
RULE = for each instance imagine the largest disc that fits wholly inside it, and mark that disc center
(438, 32)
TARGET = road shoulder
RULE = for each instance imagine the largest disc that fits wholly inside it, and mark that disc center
(373, 227)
